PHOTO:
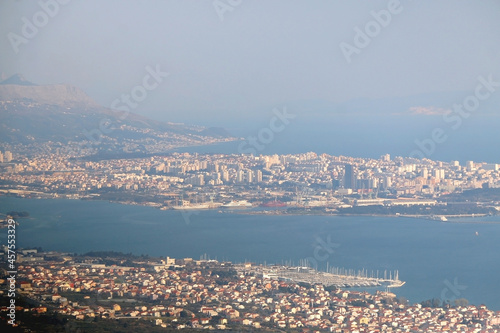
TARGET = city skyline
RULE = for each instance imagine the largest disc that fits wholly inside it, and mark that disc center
(213, 181)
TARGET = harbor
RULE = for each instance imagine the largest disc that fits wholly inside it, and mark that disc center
(333, 276)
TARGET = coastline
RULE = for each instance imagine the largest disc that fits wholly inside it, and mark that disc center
(199, 148)
(294, 211)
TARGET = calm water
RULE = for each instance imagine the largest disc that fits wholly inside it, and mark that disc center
(429, 255)
(360, 137)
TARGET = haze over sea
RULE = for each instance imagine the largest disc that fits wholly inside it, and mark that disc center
(431, 256)
(368, 137)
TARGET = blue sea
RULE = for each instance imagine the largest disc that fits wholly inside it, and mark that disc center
(435, 259)
(370, 137)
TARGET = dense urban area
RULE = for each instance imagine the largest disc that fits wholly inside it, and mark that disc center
(117, 292)
(109, 291)
(297, 183)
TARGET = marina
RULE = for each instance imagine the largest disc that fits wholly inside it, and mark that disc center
(334, 276)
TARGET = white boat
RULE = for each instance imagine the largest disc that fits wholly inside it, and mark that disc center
(186, 205)
(237, 204)
(439, 218)
(396, 284)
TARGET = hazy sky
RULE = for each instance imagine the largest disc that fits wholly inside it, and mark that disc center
(245, 57)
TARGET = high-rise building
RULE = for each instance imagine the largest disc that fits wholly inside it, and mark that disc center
(259, 176)
(439, 173)
(373, 182)
(425, 173)
(239, 176)
(196, 180)
(490, 166)
(1, 157)
(250, 177)
(8, 156)
(199, 180)
(349, 177)
(387, 183)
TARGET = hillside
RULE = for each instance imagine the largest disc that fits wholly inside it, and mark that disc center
(64, 116)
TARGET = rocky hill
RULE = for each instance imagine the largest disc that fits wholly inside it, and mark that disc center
(64, 116)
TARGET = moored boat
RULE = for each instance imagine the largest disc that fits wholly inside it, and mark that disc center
(237, 204)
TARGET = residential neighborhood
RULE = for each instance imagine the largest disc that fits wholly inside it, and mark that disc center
(207, 294)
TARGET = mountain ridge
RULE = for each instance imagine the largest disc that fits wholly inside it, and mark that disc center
(17, 79)
(64, 114)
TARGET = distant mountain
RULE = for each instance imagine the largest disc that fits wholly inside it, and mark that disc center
(61, 95)
(64, 116)
(17, 79)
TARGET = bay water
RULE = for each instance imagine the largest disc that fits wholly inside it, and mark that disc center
(436, 259)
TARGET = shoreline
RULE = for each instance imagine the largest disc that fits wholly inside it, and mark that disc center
(275, 212)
